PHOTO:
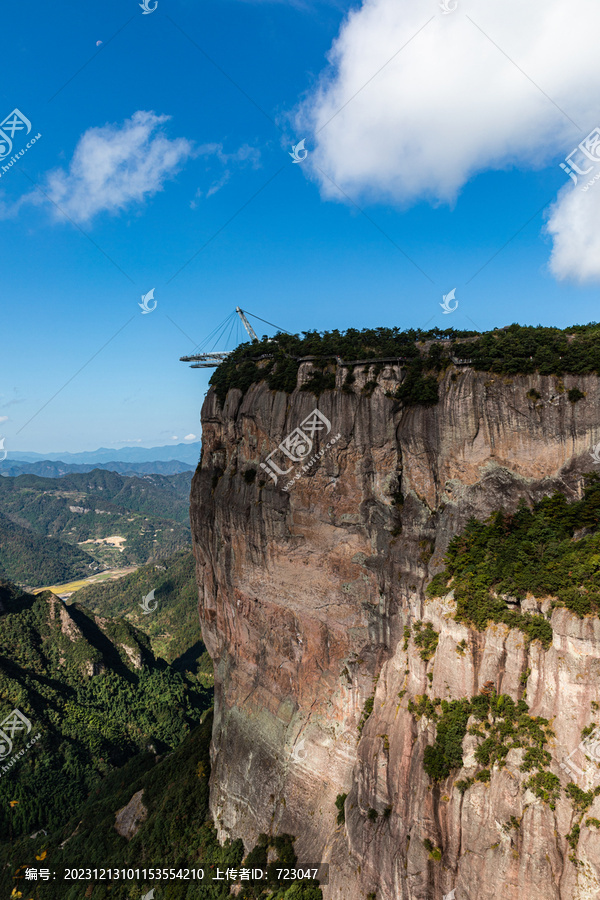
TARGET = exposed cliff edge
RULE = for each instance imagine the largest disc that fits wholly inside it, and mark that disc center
(304, 600)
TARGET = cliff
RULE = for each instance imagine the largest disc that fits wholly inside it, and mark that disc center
(305, 597)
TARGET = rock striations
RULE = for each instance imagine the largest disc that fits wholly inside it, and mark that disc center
(305, 599)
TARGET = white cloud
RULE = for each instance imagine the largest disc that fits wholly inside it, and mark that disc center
(215, 155)
(450, 104)
(244, 154)
(114, 167)
(13, 401)
(3, 419)
(573, 224)
(190, 437)
(174, 437)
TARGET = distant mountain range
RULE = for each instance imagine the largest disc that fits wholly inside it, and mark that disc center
(57, 530)
(47, 468)
(185, 453)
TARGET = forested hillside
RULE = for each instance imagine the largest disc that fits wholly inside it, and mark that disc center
(113, 520)
(156, 495)
(173, 626)
(177, 832)
(30, 558)
(110, 724)
(94, 691)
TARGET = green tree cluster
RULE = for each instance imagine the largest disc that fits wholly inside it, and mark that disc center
(425, 637)
(501, 724)
(551, 549)
(367, 710)
(515, 350)
(523, 350)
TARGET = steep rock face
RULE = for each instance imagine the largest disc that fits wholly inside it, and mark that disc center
(304, 597)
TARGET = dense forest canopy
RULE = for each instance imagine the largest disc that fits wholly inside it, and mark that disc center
(550, 550)
(95, 692)
(177, 833)
(514, 350)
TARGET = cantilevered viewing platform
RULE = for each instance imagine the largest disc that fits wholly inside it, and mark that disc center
(213, 358)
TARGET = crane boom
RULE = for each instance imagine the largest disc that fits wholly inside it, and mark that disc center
(247, 325)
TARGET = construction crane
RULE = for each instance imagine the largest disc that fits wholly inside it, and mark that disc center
(251, 332)
(213, 358)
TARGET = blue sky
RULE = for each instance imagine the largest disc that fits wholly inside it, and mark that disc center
(154, 152)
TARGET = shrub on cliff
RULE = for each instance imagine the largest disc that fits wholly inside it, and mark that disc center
(367, 710)
(575, 395)
(340, 800)
(546, 786)
(276, 360)
(516, 350)
(426, 638)
(418, 389)
(446, 753)
(501, 724)
(522, 350)
(320, 382)
(531, 551)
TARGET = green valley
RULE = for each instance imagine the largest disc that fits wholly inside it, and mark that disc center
(31, 558)
(96, 693)
(173, 628)
(118, 773)
(57, 530)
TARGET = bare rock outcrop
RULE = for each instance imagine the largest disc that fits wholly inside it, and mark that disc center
(130, 817)
(304, 597)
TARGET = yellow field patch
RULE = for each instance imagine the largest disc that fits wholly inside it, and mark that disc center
(114, 540)
(72, 586)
